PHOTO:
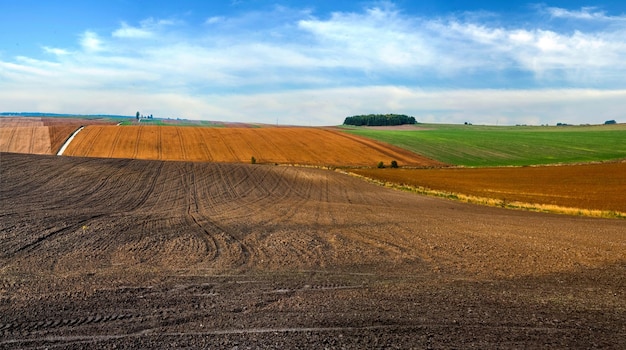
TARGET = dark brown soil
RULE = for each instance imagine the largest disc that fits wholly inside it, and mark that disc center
(114, 253)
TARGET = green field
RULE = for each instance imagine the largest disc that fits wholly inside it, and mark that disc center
(173, 122)
(472, 145)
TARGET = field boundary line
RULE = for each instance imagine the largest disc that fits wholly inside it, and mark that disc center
(492, 202)
(68, 141)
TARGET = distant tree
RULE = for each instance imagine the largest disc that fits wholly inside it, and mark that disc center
(137, 115)
(610, 122)
(253, 160)
(379, 120)
(381, 165)
(394, 164)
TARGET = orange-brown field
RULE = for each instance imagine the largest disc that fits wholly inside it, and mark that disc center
(310, 146)
(37, 135)
(61, 128)
(585, 186)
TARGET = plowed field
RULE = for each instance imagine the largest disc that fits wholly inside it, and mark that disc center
(61, 128)
(121, 253)
(39, 135)
(25, 139)
(584, 186)
(312, 146)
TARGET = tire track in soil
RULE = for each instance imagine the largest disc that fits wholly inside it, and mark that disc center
(159, 145)
(200, 215)
(37, 242)
(317, 191)
(192, 213)
(90, 139)
(248, 144)
(31, 144)
(93, 197)
(428, 328)
(297, 190)
(227, 145)
(23, 185)
(265, 190)
(182, 145)
(10, 139)
(244, 252)
(13, 327)
(158, 246)
(114, 143)
(155, 177)
(273, 149)
(203, 146)
(137, 142)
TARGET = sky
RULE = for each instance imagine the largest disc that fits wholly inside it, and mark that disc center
(317, 62)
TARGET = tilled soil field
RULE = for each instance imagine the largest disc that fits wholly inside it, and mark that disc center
(598, 186)
(283, 145)
(61, 128)
(37, 135)
(118, 253)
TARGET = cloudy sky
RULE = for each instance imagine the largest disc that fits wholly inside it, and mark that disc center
(316, 62)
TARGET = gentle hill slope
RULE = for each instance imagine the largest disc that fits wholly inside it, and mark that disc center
(39, 135)
(575, 189)
(123, 253)
(285, 145)
(471, 145)
(163, 208)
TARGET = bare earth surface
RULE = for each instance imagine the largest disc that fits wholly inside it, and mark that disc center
(37, 135)
(587, 186)
(115, 253)
(283, 145)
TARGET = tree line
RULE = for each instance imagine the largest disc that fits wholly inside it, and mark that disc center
(379, 120)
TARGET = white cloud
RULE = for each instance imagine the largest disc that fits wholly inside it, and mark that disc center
(331, 106)
(307, 70)
(147, 28)
(375, 39)
(380, 43)
(585, 13)
(214, 19)
(56, 51)
(91, 42)
(127, 31)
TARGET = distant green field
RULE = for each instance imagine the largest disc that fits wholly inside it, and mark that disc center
(472, 145)
(173, 122)
(143, 122)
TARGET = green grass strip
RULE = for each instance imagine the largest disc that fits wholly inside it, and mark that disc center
(480, 146)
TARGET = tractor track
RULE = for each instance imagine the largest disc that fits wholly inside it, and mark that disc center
(119, 252)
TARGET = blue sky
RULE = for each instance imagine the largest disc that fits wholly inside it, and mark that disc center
(316, 62)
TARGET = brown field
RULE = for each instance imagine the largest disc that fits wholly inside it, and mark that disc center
(586, 186)
(122, 253)
(24, 135)
(61, 128)
(285, 145)
(25, 139)
(37, 135)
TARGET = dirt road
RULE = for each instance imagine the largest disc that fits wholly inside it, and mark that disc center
(128, 253)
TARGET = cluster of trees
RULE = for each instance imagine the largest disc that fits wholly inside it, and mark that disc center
(394, 164)
(379, 120)
(140, 116)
